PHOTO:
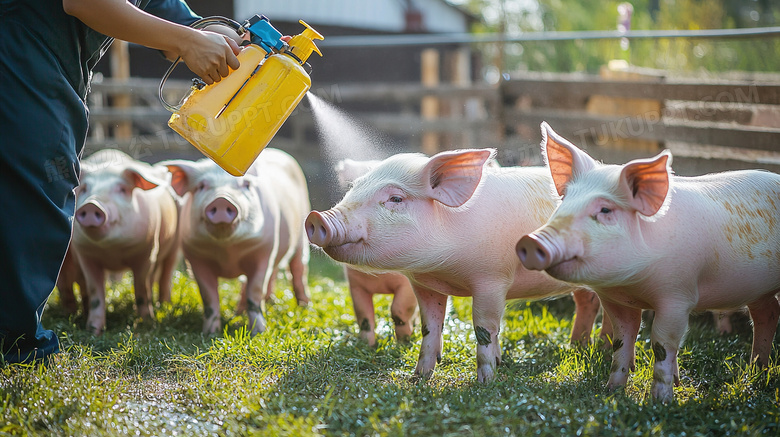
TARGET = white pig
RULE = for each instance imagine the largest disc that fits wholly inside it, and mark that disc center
(363, 286)
(70, 273)
(126, 218)
(250, 225)
(444, 222)
(645, 239)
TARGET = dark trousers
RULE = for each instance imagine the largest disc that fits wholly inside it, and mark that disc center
(43, 126)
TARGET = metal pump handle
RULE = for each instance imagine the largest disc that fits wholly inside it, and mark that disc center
(203, 22)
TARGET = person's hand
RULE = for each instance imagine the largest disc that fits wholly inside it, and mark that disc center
(209, 55)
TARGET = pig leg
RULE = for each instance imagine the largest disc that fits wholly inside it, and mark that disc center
(95, 278)
(256, 287)
(587, 304)
(241, 306)
(67, 297)
(625, 324)
(764, 314)
(142, 284)
(486, 315)
(165, 278)
(269, 289)
(606, 330)
(363, 303)
(433, 306)
(404, 311)
(208, 285)
(299, 273)
(669, 326)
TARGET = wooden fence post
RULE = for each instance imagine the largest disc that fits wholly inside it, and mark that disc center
(120, 70)
(638, 113)
(429, 105)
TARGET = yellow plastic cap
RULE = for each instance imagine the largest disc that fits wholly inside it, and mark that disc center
(302, 45)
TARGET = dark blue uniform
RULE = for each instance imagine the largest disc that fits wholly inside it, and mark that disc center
(46, 61)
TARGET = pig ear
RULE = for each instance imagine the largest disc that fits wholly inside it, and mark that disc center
(140, 178)
(453, 176)
(182, 175)
(564, 159)
(647, 183)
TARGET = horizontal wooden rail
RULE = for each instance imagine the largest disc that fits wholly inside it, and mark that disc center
(713, 112)
(577, 124)
(582, 86)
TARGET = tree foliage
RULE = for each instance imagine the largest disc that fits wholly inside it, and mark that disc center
(676, 55)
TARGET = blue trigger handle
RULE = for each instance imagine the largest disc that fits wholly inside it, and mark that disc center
(264, 34)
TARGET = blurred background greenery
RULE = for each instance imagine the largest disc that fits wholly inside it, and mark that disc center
(684, 55)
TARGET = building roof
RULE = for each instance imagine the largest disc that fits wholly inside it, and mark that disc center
(392, 16)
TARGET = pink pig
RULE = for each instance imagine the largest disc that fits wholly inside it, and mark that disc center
(363, 286)
(250, 225)
(645, 239)
(126, 218)
(70, 273)
(442, 221)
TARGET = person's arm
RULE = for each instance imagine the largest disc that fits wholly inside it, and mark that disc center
(206, 53)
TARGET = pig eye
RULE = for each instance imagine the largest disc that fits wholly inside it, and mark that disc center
(201, 186)
(246, 184)
(396, 199)
(605, 210)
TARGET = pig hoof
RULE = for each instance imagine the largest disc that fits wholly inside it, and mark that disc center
(211, 330)
(368, 337)
(404, 339)
(486, 374)
(612, 387)
(95, 330)
(663, 393)
(304, 303)
(423, 373)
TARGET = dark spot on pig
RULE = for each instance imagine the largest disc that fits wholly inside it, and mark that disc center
(614, 367)
(425, 330)
(659, 352)
(94, 303)
(364, 325)
(435, 181)
(208, 312)
(483, 336)
(397, 321)
(253, 306)
(139, 301)
(617, 344)
(438, 358)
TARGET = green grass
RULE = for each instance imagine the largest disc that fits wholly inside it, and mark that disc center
(310, 375)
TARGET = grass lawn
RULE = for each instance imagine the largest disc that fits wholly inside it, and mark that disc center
(310, 375)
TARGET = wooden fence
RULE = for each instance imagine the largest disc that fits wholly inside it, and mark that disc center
(710, 125)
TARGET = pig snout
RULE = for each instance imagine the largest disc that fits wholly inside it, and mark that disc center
(326, 228)
(539, 251)
(221, 210)
(91, 215)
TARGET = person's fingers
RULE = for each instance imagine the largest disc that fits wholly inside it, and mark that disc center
(236, 49)
(222, 69)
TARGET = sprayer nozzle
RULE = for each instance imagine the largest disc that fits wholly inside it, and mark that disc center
(303, 44)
